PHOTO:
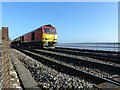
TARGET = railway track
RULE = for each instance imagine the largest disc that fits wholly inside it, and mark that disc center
(101, 55)
(78, 60)
(71, 70)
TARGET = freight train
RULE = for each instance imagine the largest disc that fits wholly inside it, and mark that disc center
(42, 37)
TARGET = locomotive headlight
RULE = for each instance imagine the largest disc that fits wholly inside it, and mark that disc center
(44, 39)
(55, 40)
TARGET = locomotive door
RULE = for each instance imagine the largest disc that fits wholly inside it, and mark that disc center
(33, 36)
(22, 38)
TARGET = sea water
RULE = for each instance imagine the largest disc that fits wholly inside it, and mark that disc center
(92, 46)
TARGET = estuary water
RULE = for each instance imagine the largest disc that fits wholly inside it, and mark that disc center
(92, 46)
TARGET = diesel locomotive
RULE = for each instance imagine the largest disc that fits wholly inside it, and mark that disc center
(44, 36)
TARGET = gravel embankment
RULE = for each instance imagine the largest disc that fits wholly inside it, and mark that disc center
(48, 77)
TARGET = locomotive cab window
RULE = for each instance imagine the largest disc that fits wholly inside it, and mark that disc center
(53, 31)
(47, 30)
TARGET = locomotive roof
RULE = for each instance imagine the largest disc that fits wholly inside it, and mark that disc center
(38, 28)
(35, 30)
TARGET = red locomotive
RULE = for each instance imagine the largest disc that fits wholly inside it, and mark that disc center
(44, 36)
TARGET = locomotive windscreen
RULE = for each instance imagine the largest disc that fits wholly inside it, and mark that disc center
(49, 31)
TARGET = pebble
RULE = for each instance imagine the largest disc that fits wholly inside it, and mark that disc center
(48, 78)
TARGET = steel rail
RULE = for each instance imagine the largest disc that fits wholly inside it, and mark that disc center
(67, 69)
(82, 61)
(105, 58)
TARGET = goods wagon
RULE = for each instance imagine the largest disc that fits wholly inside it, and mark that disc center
(44, 36)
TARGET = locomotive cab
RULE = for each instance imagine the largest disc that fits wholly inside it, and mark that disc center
(49, 36)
